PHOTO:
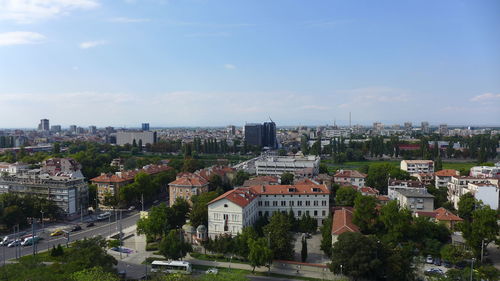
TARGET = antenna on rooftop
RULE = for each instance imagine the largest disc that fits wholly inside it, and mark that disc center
(271, 119)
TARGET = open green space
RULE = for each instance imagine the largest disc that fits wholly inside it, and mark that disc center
(356, 165)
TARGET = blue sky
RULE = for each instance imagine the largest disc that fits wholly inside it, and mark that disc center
(210, 63)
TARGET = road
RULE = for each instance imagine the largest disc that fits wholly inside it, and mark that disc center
(103, 228)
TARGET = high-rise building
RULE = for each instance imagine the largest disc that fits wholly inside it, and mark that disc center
(253, 134)
(72, 129)
(124, 137)
(231, 130)
(408, 127)
(55, 128)
(145, 126)
(269, 135)
(92, 130)
(425, 127)
(443, 129)
(44, 125)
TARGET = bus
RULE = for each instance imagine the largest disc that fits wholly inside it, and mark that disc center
(183, 267)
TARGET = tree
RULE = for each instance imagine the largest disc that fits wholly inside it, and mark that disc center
(439, 164)
(396, 222)
(323, 168)
(326, 234)
(345, 196)
(307, 224)
(89, 253)
(214, 182)
(358, 255)
(173, 246)
(452, 253)
(241, 241)
(93, 274)
(281, 239)
(466, 205)
(303, 252)
(56, 149)
(240, 178)
(483, 229)
(180, 212)
(259, 253)
(199, 211)
(365, 214)
(287, 178)
(158, 223)
(379, 173)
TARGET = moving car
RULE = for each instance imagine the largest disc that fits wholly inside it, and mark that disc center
(29, 241)
(76, 228)
(14, 243)
(103, 216)
(57, 232)
(131, 208)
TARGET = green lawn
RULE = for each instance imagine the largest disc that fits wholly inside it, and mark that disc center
(219, 258)
(355, 165)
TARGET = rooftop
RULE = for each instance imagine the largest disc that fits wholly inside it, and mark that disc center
(342, 222)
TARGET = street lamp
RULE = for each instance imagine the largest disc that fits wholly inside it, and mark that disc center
(340, 269)
(472, 268)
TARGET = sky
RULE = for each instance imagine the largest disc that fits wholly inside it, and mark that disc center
(221, 62)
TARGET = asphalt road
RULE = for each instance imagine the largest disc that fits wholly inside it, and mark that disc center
(103, 228)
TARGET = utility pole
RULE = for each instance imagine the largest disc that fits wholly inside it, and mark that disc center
(142, 201)
(33, 236)
(482, 250)
(43, 228)
(120, 234)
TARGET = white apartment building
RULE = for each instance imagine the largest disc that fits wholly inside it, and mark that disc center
(350, 177)
(124, 137)
(277, 165)
(235, 209)
(394, 186)
(14, 168)
(486, 171)
(443, 177)
(460, 185)
(417, 166)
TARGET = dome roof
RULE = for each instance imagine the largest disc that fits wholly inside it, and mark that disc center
(201, 228)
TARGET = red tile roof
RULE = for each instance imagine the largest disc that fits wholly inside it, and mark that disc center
(447, 173)
(240, 196)
(342, 222)
(349, 174)
(129, 175)
(444, 215)
(189, 179)
(306, 181)
(261, 180)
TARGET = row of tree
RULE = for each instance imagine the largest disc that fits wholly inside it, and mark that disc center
(23, 210)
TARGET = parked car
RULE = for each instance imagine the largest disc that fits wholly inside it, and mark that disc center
(57, 232)
(212, 270)
(429, 259)
(90, 224)
(30, 241)
(437, 261)
(461, 265)
(131, 208)
(435, 271)
(447, 264)
(76, 228)
(103, 216)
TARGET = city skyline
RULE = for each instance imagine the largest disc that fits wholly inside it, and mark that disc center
(214, 63)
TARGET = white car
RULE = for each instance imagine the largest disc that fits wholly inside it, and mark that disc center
(14, 243)
(429, 259)
(212, 270)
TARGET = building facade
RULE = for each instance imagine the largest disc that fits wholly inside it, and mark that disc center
(443, 177)
(124, 137)
(417, 166)
(277, 165)
(415, 200)
(187, 185)
(458, 186)
(396, 185)
(253, 134)
(350, 177)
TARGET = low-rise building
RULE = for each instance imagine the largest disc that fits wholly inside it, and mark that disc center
(277, 165)
(486, 171)
(424, 178)
(415, 200)
(396, 185)
(342, 222)
(186, 185)
(443, 177)
(441, 215)
(57, 166)
(249, 203)
(350, 177)
(458, 186)
(417, 166)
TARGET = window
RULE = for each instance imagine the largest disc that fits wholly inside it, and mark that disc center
(226, 217)
(283, 203)
(266, 213)
(323, 203)
(307, 212)
(299, 213)
(323, 213)
(260, 213)
(315, 203)
(299, 203)
(308, 203)
(275, 203)
(315, 213)
(225, 205)
(291, 203)
(260, 203)
(266, 203)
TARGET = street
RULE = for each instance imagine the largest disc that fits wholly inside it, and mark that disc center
(103, 228)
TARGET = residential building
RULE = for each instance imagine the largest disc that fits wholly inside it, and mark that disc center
(186, 185)
(459, 185)
(57, 166)
(415, 200)
(249, 203)
(124, 137)
(277, 165)
(72, 129)
(13, 168)
(55, 128)
(425, 178)
(443, 129)
(441, 215)
(408, 127)
(443, 177)
(92, 130)
(396, 185)
(486, 171)
(487, 192)
(350, 177)
(110, 184)
(145, 126)
(261, 180)
(417, 166)
(425, 127)
(342, 222)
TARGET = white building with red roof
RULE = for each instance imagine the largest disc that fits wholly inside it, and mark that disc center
(342, 222)
(350, 177)
(443, 177)
(249, 203)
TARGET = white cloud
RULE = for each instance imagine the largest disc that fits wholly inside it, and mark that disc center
(487, 97)
(128, 20)
(29, 11)
(20, 38)
(92, 44)
(229, 66)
